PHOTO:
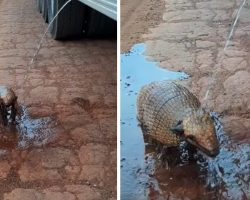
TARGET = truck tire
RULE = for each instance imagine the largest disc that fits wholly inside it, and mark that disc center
(39, 5)
(69, 22)
(100, 25)
(45, 10)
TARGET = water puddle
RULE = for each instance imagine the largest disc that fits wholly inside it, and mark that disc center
(28, 132)
(136, 71)
(143, 176)
(35, 131)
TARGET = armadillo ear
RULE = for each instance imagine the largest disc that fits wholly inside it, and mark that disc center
(178, 128)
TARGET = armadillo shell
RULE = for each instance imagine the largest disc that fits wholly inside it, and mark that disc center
(160, 106)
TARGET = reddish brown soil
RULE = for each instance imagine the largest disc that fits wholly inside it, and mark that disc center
(73, 83)
(136, 18)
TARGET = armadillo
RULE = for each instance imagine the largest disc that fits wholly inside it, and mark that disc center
(168, 112)
(8, 101)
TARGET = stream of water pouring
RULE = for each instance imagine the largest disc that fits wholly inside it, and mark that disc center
(226, 44)
(46, 31)
(234, 24)
(41, 41)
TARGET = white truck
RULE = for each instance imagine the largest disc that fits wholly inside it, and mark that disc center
(89, 18)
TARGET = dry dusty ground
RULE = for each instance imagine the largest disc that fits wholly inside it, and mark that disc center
(136, 17)
(73, 83)
(191, 38)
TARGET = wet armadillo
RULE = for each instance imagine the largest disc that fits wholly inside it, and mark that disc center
(8, 101)
(169, 112)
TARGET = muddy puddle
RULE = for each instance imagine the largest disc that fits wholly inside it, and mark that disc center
(145, 176)
(28, 131)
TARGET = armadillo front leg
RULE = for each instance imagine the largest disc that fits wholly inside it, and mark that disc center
(169, 156)
(14, 107)
(4, 114)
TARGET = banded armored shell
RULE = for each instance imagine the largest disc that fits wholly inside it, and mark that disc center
(168, 112)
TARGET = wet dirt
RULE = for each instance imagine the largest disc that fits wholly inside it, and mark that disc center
(146, 176)
(28, 132)
(64, 143)
(34, 132)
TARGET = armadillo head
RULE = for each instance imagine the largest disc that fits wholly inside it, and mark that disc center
(7, 95)
(199, 130)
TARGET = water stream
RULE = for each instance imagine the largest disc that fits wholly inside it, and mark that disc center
(234, 25)
(39, 45)
(45, 32)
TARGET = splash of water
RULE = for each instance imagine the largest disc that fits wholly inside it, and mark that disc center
(34, 131)
(234, 24)
(230, 169)
(46, 31)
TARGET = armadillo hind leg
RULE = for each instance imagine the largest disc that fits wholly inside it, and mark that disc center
(148, 139)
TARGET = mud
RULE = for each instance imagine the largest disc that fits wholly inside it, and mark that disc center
(179, 173)
(63, 145)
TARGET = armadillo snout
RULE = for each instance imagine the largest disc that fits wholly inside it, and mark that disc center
(200, 131)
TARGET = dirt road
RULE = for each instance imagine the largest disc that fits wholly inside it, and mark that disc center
(191, 37)
(64, 145)
(136, 19)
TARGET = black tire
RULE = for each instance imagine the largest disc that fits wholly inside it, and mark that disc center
(39, 5)
(100, 25)
(69, 22)
(45, 10)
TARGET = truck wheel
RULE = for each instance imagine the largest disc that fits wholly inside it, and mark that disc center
(100, 25)
(69, 22)
(39, 5)
(45, 10)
